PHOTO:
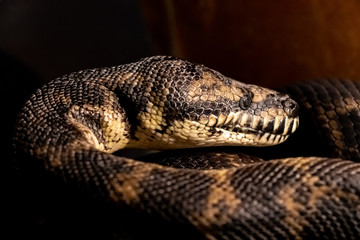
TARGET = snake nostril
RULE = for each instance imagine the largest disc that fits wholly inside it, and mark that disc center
(291, 107)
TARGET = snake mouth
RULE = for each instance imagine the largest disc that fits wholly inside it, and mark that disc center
(278, 126)
(257, 131)
(267, 135)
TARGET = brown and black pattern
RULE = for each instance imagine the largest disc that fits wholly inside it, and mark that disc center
(335, 112)
(201, 158)
(72, 125)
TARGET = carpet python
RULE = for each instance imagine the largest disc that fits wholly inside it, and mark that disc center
(72, 126)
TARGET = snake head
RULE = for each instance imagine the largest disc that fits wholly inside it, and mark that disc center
(267, 118)
(202, 107)
(233, 113)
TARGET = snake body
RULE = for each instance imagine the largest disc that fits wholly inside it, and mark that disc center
(72, 126)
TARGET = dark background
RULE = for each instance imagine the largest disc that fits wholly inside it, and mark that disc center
(263, 42)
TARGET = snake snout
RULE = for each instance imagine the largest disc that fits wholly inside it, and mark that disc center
(291, 108)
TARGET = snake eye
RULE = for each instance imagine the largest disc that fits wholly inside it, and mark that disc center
(245, 101)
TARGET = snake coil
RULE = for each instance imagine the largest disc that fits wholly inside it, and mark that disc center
(71, 127)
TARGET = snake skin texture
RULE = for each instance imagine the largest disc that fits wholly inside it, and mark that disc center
(202, 158)
(71, 127)
(334, 111)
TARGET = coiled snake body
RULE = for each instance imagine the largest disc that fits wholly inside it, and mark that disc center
(72, 125)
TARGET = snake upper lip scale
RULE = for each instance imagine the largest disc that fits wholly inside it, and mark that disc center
(71, 126)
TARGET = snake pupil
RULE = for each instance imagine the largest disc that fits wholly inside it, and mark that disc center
(245, 102)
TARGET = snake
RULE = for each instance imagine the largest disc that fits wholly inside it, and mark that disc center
(73, 126)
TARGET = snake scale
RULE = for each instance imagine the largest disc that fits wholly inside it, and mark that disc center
(72, 126)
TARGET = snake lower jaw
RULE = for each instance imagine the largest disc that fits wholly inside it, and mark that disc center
(258, 139)
(259, 134)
